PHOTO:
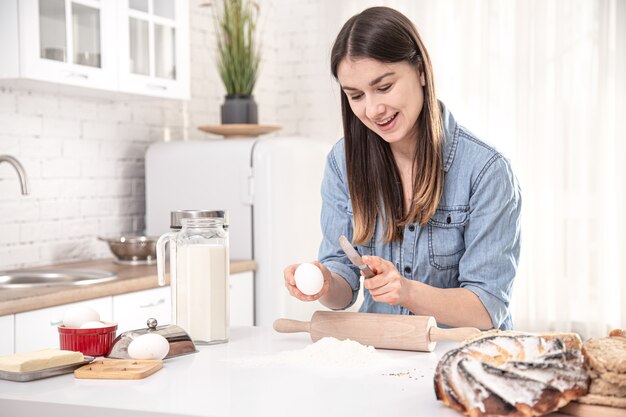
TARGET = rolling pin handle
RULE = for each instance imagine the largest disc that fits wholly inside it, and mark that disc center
(436, 334)
(292, 326)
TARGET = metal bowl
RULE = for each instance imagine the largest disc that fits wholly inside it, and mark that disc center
(133, 249)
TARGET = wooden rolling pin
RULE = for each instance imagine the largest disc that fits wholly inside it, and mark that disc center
(385, 331)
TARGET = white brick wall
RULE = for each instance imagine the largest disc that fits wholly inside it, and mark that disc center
(84, 156)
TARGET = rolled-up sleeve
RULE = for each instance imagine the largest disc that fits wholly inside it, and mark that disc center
(336, 221)
(492, 238)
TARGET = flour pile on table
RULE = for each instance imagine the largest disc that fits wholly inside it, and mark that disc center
(326, 352)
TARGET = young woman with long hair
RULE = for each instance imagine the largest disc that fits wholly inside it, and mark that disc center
(435, 210)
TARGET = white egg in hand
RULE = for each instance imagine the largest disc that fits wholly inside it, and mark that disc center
(309, 279)
(79, 315)
(149, 346)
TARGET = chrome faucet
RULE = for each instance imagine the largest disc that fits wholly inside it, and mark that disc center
(21, 173)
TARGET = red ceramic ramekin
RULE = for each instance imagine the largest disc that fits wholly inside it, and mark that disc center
(91, 342)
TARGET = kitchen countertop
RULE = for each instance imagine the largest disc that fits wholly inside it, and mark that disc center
(130, 279)
(212, 383)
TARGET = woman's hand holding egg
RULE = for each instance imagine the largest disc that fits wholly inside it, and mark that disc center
(308, 281)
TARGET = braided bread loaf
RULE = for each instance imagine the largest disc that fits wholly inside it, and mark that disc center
(510, 374)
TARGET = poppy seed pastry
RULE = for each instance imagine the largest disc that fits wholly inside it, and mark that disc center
(570, 340)
(513, 375)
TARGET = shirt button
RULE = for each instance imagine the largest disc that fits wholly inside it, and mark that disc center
(412, 228)
(407, 269)
(449, 220)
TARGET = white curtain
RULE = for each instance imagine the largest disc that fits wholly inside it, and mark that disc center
(543, 81)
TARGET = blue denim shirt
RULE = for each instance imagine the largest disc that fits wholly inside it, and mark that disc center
(472, 241)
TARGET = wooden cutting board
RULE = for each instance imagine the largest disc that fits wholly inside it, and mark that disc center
(588, 410)
(385, 331)
(118, 369)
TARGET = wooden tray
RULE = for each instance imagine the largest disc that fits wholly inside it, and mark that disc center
(118, 369)
(239, 130)
(588, 410)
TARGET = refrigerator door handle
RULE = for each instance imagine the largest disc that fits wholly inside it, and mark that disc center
(247, 187)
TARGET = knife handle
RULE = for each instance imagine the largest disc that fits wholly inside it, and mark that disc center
(367, 272)
(292, 326)
(436, 334)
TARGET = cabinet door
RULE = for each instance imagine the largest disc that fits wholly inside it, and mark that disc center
(7, 330)
(154, 47)
(69, 42)
(131, 311)
(38, 329)
(242, 299)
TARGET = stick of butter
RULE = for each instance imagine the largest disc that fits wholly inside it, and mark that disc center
(38, 360)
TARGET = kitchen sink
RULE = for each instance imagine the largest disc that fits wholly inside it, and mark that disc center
(44, 278)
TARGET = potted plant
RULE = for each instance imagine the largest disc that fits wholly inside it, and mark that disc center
(238, 58)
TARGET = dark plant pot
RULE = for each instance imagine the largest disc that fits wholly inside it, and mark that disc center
(239, 109)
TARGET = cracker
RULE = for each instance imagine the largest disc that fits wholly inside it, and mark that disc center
(601, 387)
(606, 355)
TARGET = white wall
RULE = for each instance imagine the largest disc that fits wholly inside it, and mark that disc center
(84, 160)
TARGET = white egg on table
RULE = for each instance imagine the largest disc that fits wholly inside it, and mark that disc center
(79, 315)
(309, 279)
(94, 325)
(149, 346)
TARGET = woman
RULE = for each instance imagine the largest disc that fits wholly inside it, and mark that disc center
(434, 210)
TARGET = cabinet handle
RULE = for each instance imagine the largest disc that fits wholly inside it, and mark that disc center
(74, 74)
(156, 303)
(56, 323)
(157, 86)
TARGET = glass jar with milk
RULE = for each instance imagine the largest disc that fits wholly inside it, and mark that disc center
(199, 270)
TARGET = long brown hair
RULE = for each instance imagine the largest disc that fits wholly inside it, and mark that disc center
(374, 183)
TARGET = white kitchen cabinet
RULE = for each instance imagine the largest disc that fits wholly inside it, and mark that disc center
(7, 329)
(153, 49)
(131, 311)
(38, 329)
(111, 45)
(242, 299)
(68, 42)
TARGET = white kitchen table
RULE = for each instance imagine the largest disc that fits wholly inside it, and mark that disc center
(227, 380)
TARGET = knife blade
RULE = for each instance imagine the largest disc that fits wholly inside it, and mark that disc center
(354, 257)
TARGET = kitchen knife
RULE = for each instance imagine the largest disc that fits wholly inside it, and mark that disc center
(354, 257)
(385, 331)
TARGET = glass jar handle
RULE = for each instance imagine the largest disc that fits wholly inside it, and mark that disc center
(160, 252)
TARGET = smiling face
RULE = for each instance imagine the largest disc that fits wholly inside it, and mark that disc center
(386, 97)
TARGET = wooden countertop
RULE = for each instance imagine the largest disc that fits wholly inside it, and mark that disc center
(129, 279)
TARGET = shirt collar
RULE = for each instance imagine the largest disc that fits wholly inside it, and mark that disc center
(450, 137)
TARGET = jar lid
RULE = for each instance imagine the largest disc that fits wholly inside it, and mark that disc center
(177, 215)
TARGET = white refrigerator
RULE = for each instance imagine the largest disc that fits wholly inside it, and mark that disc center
(271, 189)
